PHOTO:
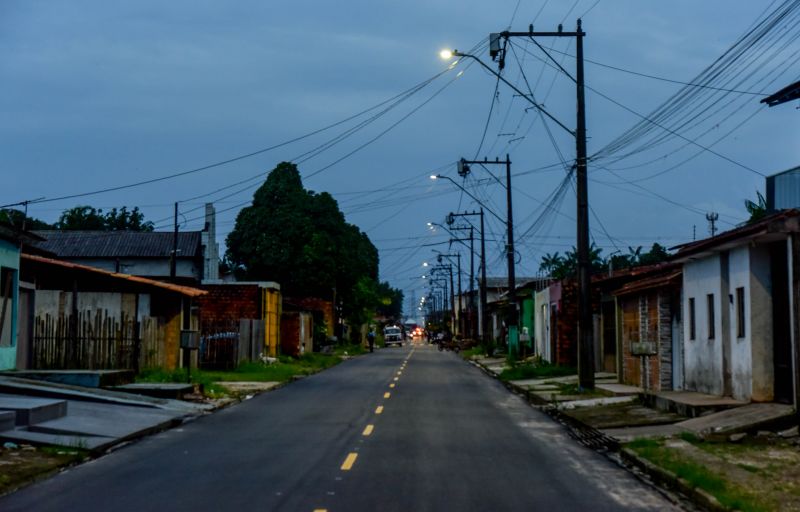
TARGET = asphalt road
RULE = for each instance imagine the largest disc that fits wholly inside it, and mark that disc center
(403, 429)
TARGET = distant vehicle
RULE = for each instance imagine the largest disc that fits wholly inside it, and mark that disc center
(392, 335)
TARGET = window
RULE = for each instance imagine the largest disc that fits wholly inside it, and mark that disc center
(711, 322)
(740, 312)
(691, 319)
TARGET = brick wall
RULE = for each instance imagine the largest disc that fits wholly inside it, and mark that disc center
(647, 317)
(224, 305)
(317, 305)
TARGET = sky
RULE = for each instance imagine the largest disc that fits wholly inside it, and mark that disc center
(101, 94)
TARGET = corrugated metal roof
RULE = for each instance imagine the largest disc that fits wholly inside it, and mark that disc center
(183, 290)
(118, 244)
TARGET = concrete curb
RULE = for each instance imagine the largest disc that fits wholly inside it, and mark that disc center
(661, 479)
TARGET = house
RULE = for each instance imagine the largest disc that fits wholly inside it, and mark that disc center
(83, 317)
(239, 321)
(650, 329)
(740, 310)
(13, 299)
(146, 254)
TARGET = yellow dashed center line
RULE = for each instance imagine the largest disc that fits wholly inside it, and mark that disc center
(387, 395)
(320, 510)
(396, 379)
(347, 465)
(368, 430)
(379, 409)
(391, 385)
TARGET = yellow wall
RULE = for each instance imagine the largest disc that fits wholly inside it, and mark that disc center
(271, 313)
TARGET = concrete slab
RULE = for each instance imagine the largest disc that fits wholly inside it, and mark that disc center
(83, 378)
(690, 403)
(248, 387)
(29, 411)
(620, 389)
(26, 387)
(8, 420)
(595, 402)
(156, 389)
(623, 415)
(95, 425)
(741, 419)
(628, 434)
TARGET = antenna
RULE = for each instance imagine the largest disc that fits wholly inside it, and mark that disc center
(712, 217)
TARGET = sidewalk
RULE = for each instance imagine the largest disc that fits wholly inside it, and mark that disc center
(721, 453)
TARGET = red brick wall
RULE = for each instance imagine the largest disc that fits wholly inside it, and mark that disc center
(224, 305)
(315, 304)
(641, 321)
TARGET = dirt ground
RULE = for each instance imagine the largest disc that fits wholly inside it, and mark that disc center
(25, 464)
(756, 474)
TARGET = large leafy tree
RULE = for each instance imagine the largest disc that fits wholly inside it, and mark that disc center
(88, 218)
(16, 219)
(300, 239)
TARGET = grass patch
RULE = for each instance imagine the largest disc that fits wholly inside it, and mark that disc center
(19, 467)
(697, 475)
(472, 352)
(535, 371)
(281, 371)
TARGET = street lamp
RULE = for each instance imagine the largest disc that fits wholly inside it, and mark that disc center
(585, 341)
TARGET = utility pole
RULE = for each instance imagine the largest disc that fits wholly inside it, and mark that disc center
(585, 337)
(482, 311)
(512, 317)
(173, 261)
(471, 304)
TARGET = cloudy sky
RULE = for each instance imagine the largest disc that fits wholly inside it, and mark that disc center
(99, 94)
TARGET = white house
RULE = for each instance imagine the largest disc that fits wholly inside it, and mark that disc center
(739, 319)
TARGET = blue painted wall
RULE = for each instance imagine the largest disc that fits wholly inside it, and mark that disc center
(9, 258)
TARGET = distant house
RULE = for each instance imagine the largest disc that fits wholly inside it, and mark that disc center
(11, 328)
(141, 254)
(83, 317)
(650, 329)
(740, 310)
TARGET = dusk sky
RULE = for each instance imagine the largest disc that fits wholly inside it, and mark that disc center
(99, 94)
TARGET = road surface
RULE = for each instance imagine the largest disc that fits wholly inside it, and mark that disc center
(402, 429)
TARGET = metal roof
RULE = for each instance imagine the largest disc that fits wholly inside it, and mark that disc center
(183, 290)
(118, 244)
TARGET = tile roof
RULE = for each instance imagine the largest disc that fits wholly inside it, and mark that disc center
(118, 244)
(183, 290)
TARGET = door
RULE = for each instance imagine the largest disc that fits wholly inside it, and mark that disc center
(781, 340)
(25, 328)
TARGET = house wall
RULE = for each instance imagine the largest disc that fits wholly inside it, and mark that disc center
(9, 258)
(703, 369)
(226, 304)
(541, 333)
(741, 346)
(759, 325)
(149, 267)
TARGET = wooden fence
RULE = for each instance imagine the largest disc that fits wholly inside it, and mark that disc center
(224, 347)
(96, 340)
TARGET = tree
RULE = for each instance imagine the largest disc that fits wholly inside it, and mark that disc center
(16, 218)
(560, 267)
(300, 239)
(390, 301)
(88, 218)
(757, 209)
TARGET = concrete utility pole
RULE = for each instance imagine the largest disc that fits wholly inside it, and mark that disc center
(458, 272)
(482, 311)
(512, 317)
(471, 304)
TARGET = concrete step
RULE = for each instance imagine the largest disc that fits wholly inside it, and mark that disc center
(690, 403)
(741, 419)
(83, 378)
(30, 411)
(8, 420)
(156, 389)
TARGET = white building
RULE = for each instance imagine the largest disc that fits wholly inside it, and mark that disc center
(739, 318)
